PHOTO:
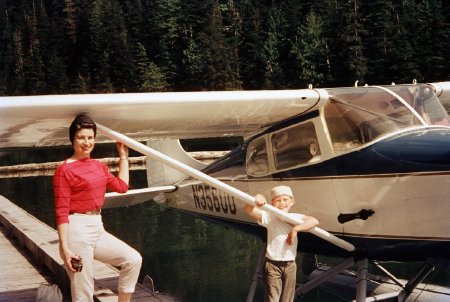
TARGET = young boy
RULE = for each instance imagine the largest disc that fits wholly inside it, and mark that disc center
(280, 269)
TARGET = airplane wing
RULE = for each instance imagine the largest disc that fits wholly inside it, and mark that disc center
(35, 121)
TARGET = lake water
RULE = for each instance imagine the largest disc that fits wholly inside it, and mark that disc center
(187, 257)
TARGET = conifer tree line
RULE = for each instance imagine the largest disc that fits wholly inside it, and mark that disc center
(103, 46)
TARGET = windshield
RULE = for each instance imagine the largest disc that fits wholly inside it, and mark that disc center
(356, 116)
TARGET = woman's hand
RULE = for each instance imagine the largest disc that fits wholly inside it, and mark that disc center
(64, 250)
(122, 149)
(124, 168)
(67, 256)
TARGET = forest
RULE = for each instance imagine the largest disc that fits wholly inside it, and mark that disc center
(113, 46)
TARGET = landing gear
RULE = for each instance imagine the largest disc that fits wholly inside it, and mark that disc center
(361, 288)
(361, 285)
(378, 287)
(322, 278)
(412, 284)
(257, 274)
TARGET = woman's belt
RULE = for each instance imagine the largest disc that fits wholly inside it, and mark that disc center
(93, 212)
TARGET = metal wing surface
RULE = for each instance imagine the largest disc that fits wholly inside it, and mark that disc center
(35, 121)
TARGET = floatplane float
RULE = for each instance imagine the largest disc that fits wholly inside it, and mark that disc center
(371, 163)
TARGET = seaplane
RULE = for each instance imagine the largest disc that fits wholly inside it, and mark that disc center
(371, 163)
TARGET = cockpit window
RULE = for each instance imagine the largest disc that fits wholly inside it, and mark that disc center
(428, 106)
(359, 115)
(343, 130)
(257, 160)
(294, 146)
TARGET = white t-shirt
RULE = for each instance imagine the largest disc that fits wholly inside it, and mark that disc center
(277, 232)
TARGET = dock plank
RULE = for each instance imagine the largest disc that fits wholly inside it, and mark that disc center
(20, 276)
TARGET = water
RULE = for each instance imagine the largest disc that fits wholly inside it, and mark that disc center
(187, 257)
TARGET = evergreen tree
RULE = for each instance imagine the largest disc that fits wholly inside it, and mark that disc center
(99, 60)
(430, 45)
(34, 65)
(78, 51)
(446, 13)
(133, 14)
(162, 35)
(401, 64)
(71, 11)
(348, 62)
(111, 59)
(6, 50)
(274, 74)
(232, 31)
(82, 82)
(250, 53)
(17, 82)
(380, 25)
(193, 62)
(310, 51)
(50, 41)
(61, 46)
(150, 77)
(55, 74)
(219, 73)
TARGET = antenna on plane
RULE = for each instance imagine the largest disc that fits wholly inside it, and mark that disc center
(356, 83)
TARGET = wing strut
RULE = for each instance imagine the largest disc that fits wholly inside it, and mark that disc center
(218, 184)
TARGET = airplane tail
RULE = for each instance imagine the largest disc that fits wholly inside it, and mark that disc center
(159, 174)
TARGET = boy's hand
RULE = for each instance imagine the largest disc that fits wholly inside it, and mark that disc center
(307, 224)
(260, 200)
(291, 236)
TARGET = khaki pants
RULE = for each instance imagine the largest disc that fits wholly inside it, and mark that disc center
(88, 238)
(280, 280)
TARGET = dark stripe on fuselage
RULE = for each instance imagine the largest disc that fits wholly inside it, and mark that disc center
(422, 150)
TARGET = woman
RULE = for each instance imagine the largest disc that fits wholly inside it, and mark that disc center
(79, 186)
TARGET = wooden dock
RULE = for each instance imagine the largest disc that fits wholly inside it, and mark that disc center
(20, 277)
(29, 256)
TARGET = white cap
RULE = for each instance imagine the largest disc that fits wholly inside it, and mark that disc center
(281, 190)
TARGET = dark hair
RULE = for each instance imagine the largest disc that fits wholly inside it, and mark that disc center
(82, 121)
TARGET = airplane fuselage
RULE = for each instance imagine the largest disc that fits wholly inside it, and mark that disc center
(393, 189)
(408, 194)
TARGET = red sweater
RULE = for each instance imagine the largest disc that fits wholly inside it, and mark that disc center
(80, 186)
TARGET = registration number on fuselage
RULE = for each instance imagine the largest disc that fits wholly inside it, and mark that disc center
(209, 198)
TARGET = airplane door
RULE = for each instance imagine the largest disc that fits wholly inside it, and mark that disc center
(367, 200)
